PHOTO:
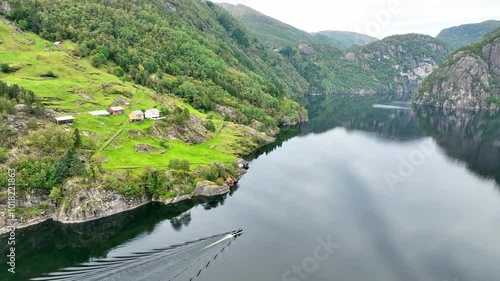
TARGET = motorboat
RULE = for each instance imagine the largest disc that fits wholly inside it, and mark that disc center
(237, 231)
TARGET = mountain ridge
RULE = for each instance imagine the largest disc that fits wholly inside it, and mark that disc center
(465, 34)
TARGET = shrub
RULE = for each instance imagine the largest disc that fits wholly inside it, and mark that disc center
(5, 68)
(98, 59)
(220, 181)
(118, 71)
(165, 144)
(32, 124)
(49, 74)
(209, 125)
(3, 155)
(56, 195)
(23, 24)
(176, 164)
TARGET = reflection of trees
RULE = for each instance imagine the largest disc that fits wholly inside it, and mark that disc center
(357, 113)
(179, 221)
(471, 137)
(353, 113)
(49, 246)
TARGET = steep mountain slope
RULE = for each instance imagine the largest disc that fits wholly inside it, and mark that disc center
(348, 39)
(121, 164)
(393, 65)
(470, 78)
(400, 62)
(216, 62)
(272, 31)
(466, 34)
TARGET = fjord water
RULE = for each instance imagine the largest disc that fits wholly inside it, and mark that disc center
(367, 190)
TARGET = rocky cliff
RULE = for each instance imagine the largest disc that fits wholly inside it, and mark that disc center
(469, 78)
(395, 65)
(401, 62)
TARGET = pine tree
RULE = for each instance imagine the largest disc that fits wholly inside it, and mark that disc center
(77, 138)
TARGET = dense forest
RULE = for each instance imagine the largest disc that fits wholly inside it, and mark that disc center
(192, 48)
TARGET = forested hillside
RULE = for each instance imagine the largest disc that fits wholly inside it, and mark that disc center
(394, 65)
(97, 165)
(192, 48)
(459, 36)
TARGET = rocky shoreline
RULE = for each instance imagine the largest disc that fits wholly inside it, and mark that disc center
(97, 203)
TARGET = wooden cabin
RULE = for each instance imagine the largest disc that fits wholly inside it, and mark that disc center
(136, 115)
(116, 110)
(64, 120)
(152, 113)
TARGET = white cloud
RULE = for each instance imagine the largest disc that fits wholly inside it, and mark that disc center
(373, 17)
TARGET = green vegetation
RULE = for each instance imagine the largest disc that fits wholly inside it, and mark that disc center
(321, 61)
(196, 50)
(349, 39)
(466, 34)
(11, 95)
(102, 151)
(429, 93)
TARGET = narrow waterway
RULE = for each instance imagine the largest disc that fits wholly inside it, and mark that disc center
(367, 190)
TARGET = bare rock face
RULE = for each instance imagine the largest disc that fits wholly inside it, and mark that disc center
(147, 148)
(192, 132)
(210, 189)
(306, 49)
(408, 60)
(491, 54)
(94, 203)
(351, 57)
(6, 8)
(465, 81)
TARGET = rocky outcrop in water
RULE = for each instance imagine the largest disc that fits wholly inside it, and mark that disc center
(469, 79)
(210, 189)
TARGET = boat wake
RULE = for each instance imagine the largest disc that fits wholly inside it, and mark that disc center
(184, 261)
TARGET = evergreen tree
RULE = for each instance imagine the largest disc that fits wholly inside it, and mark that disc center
(77, 138)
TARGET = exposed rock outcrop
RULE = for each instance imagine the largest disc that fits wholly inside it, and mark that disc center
(406, 59)
(94, 203)
(468, 80)
(210, 189)
(192, 131)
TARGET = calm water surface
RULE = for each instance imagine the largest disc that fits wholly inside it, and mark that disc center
(403, 194)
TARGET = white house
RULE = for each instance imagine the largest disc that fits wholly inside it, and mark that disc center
(152, 113)
(100, 113)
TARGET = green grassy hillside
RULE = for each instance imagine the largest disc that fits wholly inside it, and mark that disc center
(46, 155)
(213, 59)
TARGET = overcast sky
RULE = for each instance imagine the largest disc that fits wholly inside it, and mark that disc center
(378, 18)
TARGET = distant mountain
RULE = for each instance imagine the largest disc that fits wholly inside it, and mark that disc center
(469, 78)
(394, 65)
(348, 39)
(272, 31)
(401, 62)
(466, 34)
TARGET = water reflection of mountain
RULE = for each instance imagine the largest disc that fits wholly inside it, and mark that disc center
(471, 137)
(358, 113)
